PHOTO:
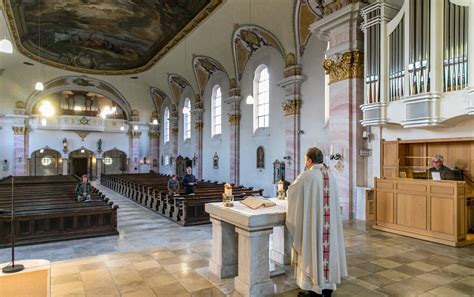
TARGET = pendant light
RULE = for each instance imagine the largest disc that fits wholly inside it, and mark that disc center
(6, 46)
(39, 85)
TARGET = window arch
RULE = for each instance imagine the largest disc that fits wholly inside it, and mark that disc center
(166, 125)
(187, 119)
(261, 90)
(216, 110)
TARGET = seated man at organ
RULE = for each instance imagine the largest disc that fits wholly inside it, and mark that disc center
(438, 167)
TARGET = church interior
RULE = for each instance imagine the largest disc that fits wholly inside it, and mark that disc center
(134, 133)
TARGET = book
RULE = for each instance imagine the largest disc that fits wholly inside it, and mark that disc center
(255, 202)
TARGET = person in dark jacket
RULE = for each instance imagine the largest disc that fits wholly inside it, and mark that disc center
(189, 181)
(84, 189)
(173, 185)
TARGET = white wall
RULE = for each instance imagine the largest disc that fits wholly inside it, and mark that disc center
(312, 90)
(218, 143)
(185, 148)
(274, 140)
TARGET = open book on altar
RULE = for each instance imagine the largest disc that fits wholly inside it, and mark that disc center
(255, 202)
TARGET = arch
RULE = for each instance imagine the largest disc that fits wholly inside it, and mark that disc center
(246, 40)
(45, 161)
(178, 84)
(79, 83)
(204, 67)
(114, 161)
(159, 97)
(82, 161)
(305, 13)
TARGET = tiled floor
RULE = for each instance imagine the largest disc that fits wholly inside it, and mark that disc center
(154, 257)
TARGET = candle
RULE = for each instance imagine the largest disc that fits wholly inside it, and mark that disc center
(280, 186)
(228, 190)
(331, 150)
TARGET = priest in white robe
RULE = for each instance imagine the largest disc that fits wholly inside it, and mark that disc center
(314, 222)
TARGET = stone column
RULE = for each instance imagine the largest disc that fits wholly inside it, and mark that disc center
(345, 68)
(98, 165)
(291, 106)
(174, 121)
(154, 148)
(19, 150)
(224, 258)
(197, 112)
(65, 166)
(234, 122)
(253, 253)
(134, 163)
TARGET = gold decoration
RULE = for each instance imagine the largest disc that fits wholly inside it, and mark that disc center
(234, 119)
(174, 131)
(349, 65)
(135, 134)
(198, 126)
(135, 113)
(20, 104)
(153, 134)
(211, 7)
(290, 60)
(292, 71)
(292, 107)
(232, 83)
(19, 130)
(82, 134)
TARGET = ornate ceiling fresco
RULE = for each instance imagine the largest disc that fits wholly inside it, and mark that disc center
(103, 36)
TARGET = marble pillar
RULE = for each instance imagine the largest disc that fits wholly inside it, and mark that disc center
(98, 164)
(280, 251)
(224, 258)
(253, 279)
(291, 106)
(154, 148)
(345, 67)
(20, 151)
(234, 123)
(174, 131)
(197, 112)
(65, 166)
(134, 164)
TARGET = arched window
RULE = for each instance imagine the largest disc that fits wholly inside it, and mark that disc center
(261, 86)
(166, 125)
(216, 110)
(187, 118)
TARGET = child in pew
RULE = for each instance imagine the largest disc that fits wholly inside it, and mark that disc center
(84, 189)
(173, 185)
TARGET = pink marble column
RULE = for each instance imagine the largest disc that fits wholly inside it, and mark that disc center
(344, 65)
(174, 139)
(198, 110)
(154, 149)
(234, 122)
(291, 106)
(98, 165)
(19, 150)
(134, 164)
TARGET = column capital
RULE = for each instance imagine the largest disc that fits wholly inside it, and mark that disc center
(198, 126)
(154, 134)
(19, 130)
(135, 134)
(349, 65)
(292, 107)
(234, 119)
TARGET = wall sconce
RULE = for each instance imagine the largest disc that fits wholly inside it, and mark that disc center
(19, 159)
(195, 158)
(336, 157)
(288, 160)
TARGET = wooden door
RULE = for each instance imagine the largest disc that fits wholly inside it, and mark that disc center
(80, 166)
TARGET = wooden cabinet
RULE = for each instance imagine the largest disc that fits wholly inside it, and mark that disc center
(424, 209)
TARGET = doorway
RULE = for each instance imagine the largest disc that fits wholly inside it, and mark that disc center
(82, 162)
(80, 166)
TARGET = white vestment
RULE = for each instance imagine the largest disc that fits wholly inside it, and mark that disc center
(307, 224)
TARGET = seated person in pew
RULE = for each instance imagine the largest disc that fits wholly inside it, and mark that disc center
(189, 181)
(173, 185)
(438, 167)
(84, 189)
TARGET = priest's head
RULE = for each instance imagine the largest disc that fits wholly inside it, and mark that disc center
(313, 156)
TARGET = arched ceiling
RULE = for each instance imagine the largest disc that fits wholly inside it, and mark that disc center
(103, 37)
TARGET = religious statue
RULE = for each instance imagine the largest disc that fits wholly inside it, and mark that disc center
(260, 157)
(65, 145)
(215, 161)
(99, 145)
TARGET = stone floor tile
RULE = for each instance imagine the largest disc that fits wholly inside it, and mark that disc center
(141, 293)
(459, 269)
(174, 290)
(465, 285)
(393, 275)
(447, 291)
(197, 284)
(398, 290)
(386, 263)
